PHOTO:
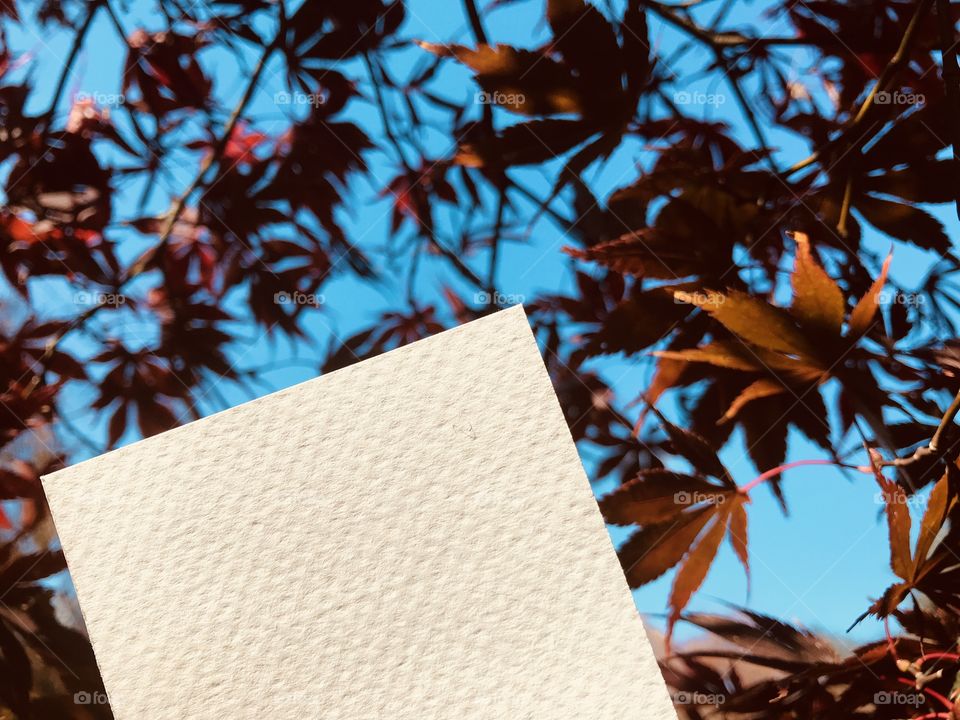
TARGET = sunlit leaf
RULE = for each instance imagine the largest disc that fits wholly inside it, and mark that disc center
(861, 318)
(817, 300)
(762, 388)
(693, 571)
(654, 549)
(752, 319)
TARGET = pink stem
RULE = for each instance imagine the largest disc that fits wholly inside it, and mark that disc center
(927, 691)
(933, 693)
(938, 655)
(763, 477)
(890, 643)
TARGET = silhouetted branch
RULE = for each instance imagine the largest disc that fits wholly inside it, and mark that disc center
(476, 23)
(68, 64)
(213, 158)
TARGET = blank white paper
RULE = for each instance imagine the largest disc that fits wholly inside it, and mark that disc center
(411, 537)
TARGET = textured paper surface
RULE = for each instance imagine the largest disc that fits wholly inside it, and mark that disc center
(411, 537)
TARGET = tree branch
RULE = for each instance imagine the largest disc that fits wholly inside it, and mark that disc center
(731, 73)
(377, 78)
(495, 239)
(715, 39)
(934, 446)
(898, 60)
(476, 23)
(945, 422)
(78, 41)
(212, 160)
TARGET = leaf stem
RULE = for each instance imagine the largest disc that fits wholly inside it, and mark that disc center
(780, 469)
(845, 207)
(927, 691)
(891, 645)
(937, 656)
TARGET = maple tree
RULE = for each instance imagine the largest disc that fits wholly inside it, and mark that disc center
(747, 279)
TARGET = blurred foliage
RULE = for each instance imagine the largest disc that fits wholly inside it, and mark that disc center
(745, 284)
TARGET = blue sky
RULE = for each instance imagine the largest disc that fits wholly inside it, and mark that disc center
(813, 567)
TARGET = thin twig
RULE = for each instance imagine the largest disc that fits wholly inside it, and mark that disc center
(78, 40)
(758, 134)
(945, 421)
(459, 265)
(212, 159)
(476, 23)
(845, 207)
(377, 79)
(933, 447)
(898, 60)
(719, 39)
(495, 240)
(124, 38)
